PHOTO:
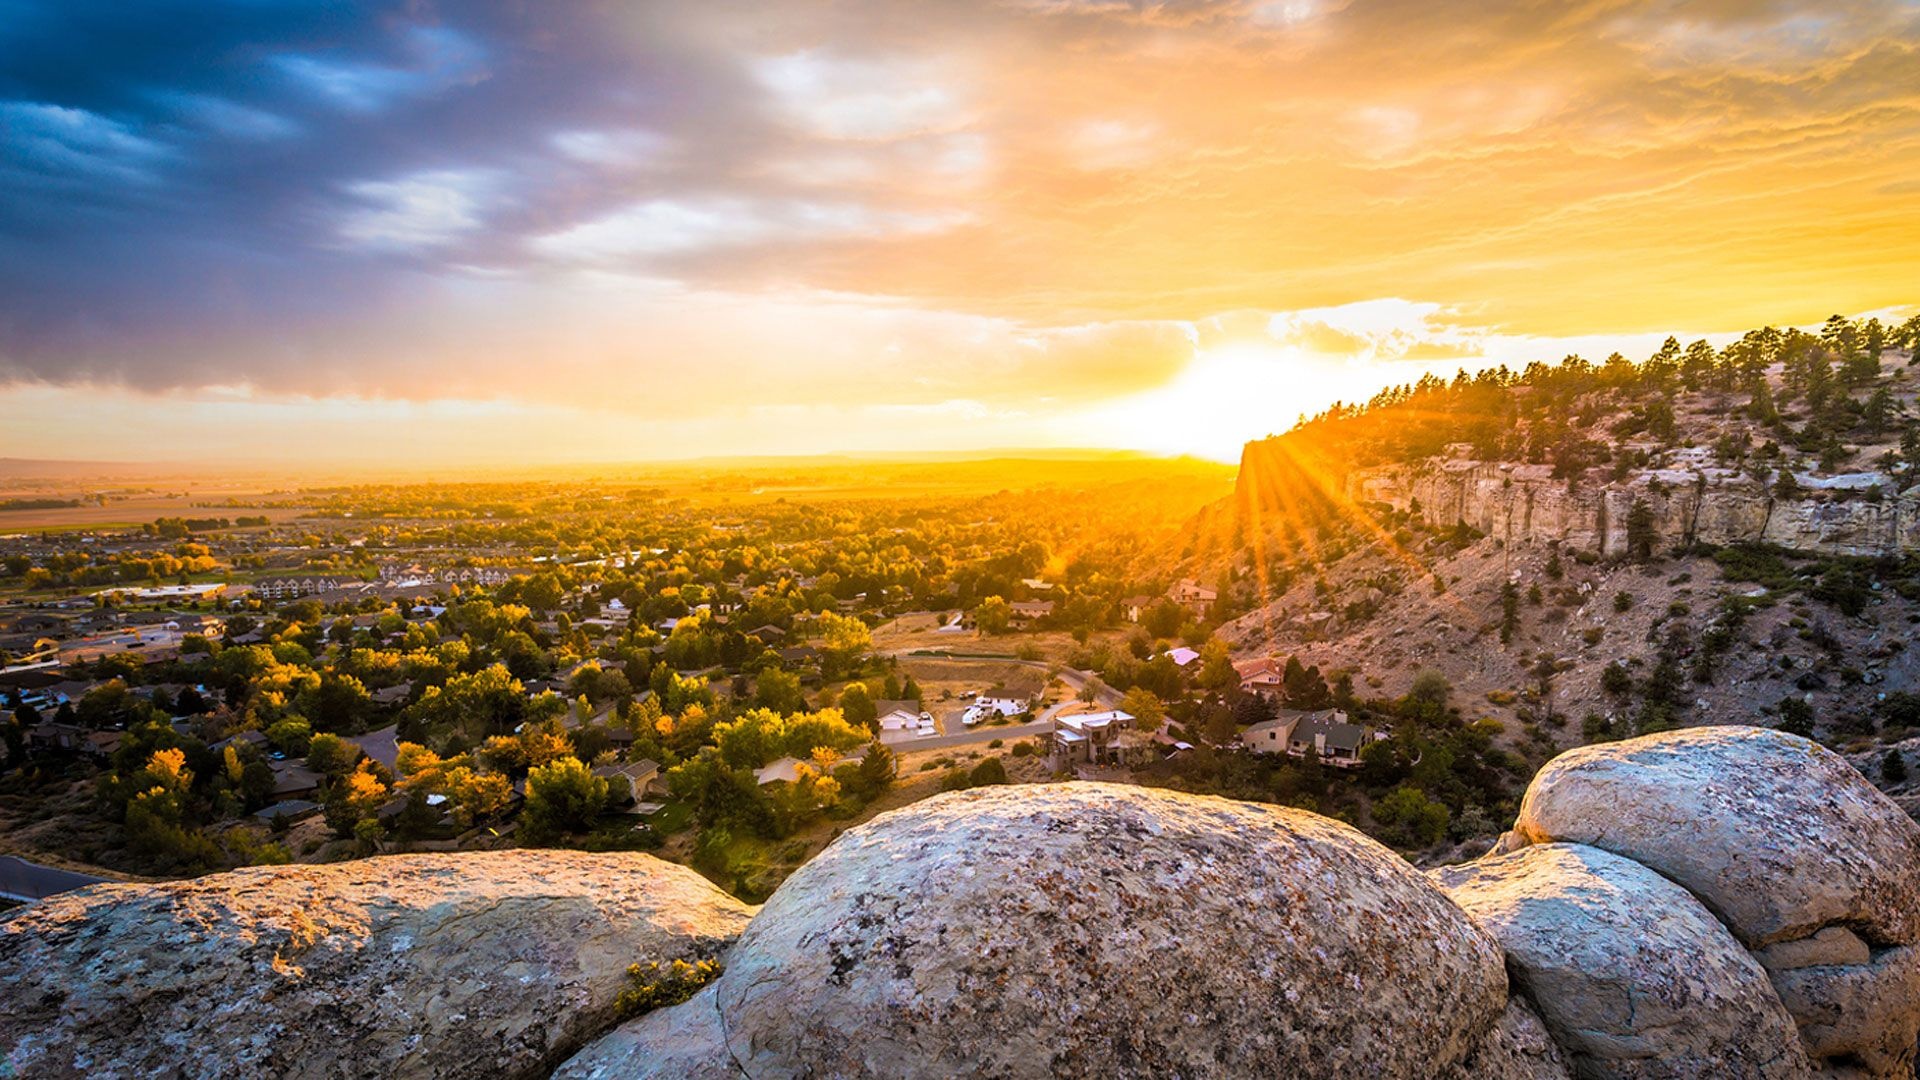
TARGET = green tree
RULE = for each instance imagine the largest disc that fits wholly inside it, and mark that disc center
(1411, 818)
(993, 615)
(563, 796)
(856, 704)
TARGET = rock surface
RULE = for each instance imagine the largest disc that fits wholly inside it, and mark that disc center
(1104, 930)
(1518, 1048)
(496, 964)
(1775, 833)
(685, 1042)
(1633, 977)
(1858, 1019)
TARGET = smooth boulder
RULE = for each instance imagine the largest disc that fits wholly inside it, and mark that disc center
(1104, 930)
(496, 964)
(1775, 833)
(1633, 976)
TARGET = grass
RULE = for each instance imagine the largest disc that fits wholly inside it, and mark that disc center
(672, 818)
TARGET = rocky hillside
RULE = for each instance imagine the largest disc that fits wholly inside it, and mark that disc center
(1730, 529)
(1729, 903)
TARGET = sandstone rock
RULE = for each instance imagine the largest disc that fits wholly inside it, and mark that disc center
(1633, 977)
(1776, 834)
(1518, 1048)
(1860, 1020)
(1834, 945)
(681, 1043)
(1105, 930)
(496, 964)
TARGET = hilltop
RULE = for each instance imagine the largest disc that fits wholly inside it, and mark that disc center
(1586, 551)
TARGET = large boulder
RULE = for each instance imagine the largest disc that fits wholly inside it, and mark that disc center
(1634, 978)
(497, 964)
(1777, 834)
(1103, 930)
(1801, 857)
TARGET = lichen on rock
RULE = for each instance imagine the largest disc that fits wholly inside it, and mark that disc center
(497, 964)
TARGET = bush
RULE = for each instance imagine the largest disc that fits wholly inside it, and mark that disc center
(990, 771)
(1622, 601)
(651, 986)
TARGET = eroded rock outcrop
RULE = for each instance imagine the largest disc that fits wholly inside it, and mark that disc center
(496, 964)
(1789, 845)
(1718, 903)
(1097, 930)
(1633, 976)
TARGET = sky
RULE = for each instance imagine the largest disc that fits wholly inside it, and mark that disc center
(488, 233)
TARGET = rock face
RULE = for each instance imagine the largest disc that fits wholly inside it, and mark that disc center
(1801, 857)
(1695, 500)
(494, 964)
(1632, 975)
(1777, 834)
(1098, 930)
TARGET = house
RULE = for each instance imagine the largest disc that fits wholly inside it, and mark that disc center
(627, 781)
(1088, 737)
(1136, 606)
(1183, 656)
(799, 654)
(892, 715)
(1028, 612)
(1294, 732)
(292, 780)
(1192, 595)
(767, 635)
(291, 809)
(1263, 676)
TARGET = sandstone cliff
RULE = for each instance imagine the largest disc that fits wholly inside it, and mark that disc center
(1691, 499)
(1730, 902)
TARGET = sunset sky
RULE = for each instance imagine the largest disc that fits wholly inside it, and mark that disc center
(550, 232)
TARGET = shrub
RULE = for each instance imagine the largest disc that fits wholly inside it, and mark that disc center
(651, 986)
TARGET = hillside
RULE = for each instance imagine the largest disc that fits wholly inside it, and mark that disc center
(1729, 530)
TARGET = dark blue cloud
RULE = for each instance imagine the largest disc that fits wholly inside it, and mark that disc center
(223, 171)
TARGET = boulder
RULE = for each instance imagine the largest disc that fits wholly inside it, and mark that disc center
(1103, 930)
(486, 964)
(684, 1042)
(1858, 1020)
(1779, 836)
(1633, 977)
(1518, 1048)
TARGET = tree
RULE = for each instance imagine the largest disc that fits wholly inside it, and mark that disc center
(1509, 610)
(1216, 668)
(1411, 817)
(330, 754)
(1893, 768)
(1145, 708)
(779, 691)
(994, 615)
(563, 796)
(1641, 533)
(989, 771)
(1430, 693)
(1796, 717)
(856, 704)
(847, 639)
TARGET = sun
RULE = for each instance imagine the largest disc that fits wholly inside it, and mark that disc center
(1229, 395)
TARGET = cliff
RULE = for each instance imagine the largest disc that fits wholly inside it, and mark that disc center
(1726, 902)
(1691, 500)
